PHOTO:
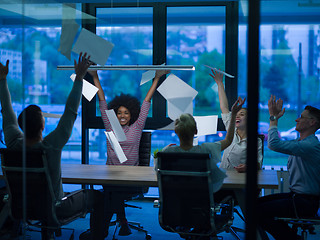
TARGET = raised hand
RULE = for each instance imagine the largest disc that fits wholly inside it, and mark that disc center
(160, 73)
(276, 107)
(237, 105)
(82, 66)
(4, 70)
(218, 77)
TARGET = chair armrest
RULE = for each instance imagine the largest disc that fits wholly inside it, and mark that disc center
(156, 204)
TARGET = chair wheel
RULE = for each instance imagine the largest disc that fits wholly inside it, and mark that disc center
(148, 236)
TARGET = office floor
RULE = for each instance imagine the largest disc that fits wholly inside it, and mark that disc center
(148, 216)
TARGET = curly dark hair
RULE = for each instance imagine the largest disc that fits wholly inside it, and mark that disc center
(128, 101)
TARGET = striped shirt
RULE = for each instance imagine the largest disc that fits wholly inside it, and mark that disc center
(133, 133)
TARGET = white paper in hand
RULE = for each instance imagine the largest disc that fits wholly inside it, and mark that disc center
(116, 127)
(116, 146)
(88, 90)
(219, 71)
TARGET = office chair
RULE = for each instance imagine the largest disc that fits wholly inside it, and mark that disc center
(304, 224)
(144, 160)
(186, 203)
(30, 192)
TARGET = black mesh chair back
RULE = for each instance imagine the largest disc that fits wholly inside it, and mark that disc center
(145, 149)
(29, 186)
(31, 195)
(186, 192)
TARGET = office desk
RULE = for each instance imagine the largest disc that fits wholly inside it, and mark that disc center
(146, 176)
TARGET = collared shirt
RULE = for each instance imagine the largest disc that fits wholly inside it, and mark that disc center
(303, 162)
(236, 153)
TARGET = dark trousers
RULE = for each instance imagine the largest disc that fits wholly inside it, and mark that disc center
(86, 201)
(114, 198)
(284, 205)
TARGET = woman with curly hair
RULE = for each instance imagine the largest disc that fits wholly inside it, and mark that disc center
(132, 118)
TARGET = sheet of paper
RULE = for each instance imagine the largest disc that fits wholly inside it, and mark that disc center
(116, 127)
(147, 76)
(88, 89)
(206, 124)
(98, 48)
(219, 71)
(69, 29)
(116, 146)
(179, 96)
(51, 115)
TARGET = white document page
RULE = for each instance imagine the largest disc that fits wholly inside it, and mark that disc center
(88, 89)
(116, 146)
(179, 96)
(68, 34)
(98, 48)
(69, 29)
(116, 127)
(147, 76)
(206, 124)
(219, 71)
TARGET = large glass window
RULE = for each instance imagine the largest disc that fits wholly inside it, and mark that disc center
(196, 36)
(289, 66)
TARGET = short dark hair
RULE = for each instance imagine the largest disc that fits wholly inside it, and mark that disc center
(314, 112)
(33, 118)
(128, 101)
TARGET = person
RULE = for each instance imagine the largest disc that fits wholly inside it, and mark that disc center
(186, 128)
(32, 123)
(132, 118)
(303, 166)
(235, 156)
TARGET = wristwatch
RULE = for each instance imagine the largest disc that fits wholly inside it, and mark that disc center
(273, 118)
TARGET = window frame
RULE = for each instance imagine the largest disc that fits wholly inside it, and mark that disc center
(159, 119)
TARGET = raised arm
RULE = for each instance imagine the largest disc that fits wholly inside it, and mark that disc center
(10, 126)
(224, 105)
(60, 136)
(97, 83)
(159, 74)
(230, 133)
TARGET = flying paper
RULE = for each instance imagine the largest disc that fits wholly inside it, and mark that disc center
(179, 96)
(88, 90)
(219, 71)
(98, 48)
(116, 127)
(116, 146)
(206, 124)
(147, 76)
(69, 29)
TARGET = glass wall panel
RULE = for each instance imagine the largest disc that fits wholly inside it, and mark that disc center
(196, 36)
(131, 31)
(289, 65)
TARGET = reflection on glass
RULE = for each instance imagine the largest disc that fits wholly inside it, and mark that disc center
(196, 36)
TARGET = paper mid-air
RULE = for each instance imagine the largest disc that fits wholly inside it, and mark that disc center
(179, 96)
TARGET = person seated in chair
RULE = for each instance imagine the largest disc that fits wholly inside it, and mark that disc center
(32, 123)
(186, 128)
(304, 167)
